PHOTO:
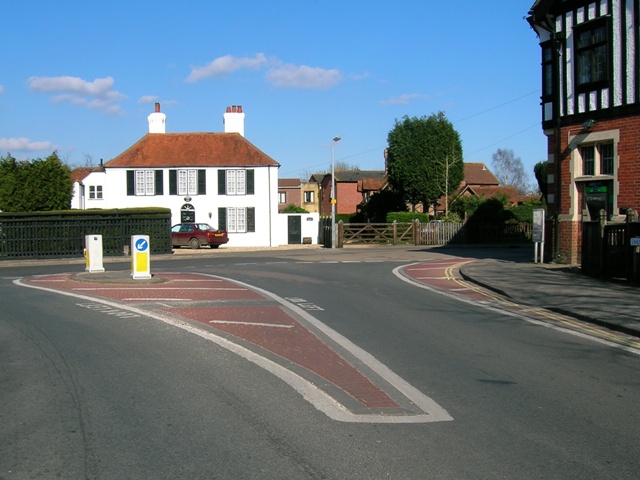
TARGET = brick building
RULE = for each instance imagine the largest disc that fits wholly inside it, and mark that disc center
(590, 113)
(353, 187)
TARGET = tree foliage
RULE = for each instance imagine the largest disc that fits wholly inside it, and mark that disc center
(35, 186)
(424, 158)
(540, 172)
(509, 170)
(291, 208)
(380, 204)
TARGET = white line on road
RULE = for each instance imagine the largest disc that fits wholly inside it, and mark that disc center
(158, 288)
(152, 299)
(252, 324)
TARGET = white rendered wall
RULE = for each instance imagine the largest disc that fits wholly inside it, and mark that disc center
(264, 200)
(309, 223)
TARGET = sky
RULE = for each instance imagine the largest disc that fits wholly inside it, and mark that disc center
(81, 77)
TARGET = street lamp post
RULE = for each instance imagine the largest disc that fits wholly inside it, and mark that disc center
(333, 193)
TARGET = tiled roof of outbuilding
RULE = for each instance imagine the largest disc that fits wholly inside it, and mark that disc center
(80, 173)
(357, 175)
(288, 182)
(479, 174)
(161, 150)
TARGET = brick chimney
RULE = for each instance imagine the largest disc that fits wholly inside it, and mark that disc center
(234, 120)
(157, 121)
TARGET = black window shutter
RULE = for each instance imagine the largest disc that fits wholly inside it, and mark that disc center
(131, 182)
(202, 182)
(222, 182)
(251, 219)
(159, 182)
(250, 182)
(222, 218)
(173, 182)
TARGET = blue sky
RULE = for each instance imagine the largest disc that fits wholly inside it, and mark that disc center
(81, 77)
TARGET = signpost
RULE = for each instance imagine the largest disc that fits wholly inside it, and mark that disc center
(538, 233)
(140, 257)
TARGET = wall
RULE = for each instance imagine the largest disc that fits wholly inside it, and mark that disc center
(309, 223)
(348, 197)
(114, 183)
(566, 176)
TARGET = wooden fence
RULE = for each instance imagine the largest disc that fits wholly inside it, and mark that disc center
(416, 233)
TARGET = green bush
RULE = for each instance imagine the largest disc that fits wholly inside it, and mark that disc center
(291, 208)
(405, 217)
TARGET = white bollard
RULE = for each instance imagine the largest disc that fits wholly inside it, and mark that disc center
(93, 253)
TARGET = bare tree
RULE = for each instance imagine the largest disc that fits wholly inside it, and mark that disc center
(509, 170)
(345, 167)
(88, 160)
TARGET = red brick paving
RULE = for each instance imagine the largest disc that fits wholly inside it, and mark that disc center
(281, 334)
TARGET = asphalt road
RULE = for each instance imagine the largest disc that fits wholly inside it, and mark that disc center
(85, 394)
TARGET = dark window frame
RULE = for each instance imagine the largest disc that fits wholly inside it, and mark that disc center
(592, 40)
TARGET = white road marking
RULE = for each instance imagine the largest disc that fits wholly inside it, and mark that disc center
(252, 324)
(152, 299)
(194, 280)
(88, 289)
(321, 400)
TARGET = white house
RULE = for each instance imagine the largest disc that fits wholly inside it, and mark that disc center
(218, 178)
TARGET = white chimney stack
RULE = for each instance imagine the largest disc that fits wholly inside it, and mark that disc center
(234, 120)
(157, 121)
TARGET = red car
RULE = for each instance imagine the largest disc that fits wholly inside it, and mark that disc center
(196, 234)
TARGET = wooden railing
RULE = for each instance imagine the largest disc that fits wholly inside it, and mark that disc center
(416, 233)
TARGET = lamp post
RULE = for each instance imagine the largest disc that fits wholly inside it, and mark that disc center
(333, 193)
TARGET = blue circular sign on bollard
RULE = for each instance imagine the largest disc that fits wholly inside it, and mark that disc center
(141, 245)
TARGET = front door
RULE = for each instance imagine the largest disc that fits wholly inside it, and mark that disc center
(294, 223)
(187, 213)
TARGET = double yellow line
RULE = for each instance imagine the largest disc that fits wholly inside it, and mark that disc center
(451, 273)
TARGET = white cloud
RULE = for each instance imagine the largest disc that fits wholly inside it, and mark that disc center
(278, 73)
(96, 95)
(303, 77)
(23, 144)
(404, 99)
(223, 66)
(144, 100)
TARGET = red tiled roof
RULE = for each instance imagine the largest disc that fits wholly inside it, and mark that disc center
(80, 173)
(192, 150)
(479, 174)
(371, 184)
(492, 191)
(288, 182)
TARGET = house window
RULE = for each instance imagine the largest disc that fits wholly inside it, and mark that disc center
(187, 182)
(547, 72)
(145, 182)
(588, 160)
(282, 197)
(235, 182)
(309, 196)
(606, 159)
(237, 219)
(592, 46)
(95, 192)
(597, 159)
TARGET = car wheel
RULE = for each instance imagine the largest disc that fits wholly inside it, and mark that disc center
(214, 245)
(194, 243)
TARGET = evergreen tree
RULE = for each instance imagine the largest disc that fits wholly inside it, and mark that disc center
(38, 185)
(424, 158)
